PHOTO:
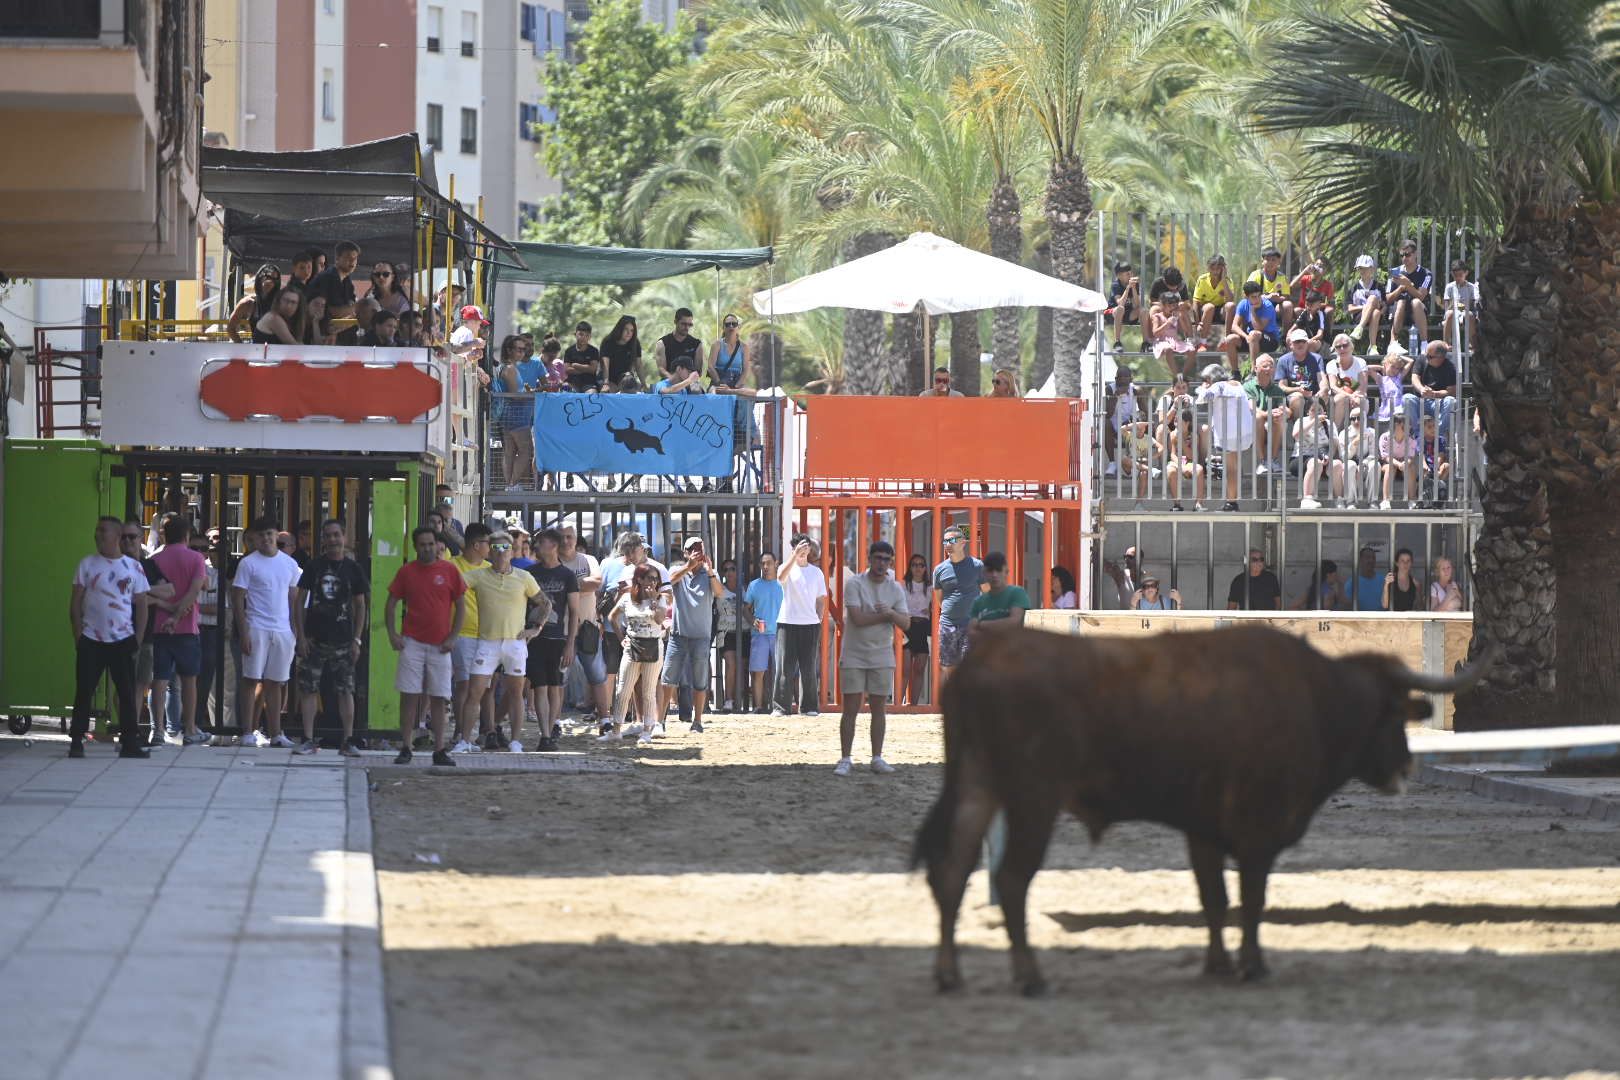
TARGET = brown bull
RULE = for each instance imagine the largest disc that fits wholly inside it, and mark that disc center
(1234, 736)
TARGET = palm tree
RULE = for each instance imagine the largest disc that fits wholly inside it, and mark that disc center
(1504, 111)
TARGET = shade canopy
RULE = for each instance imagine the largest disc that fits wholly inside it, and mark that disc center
(931, 271)
(574, 264)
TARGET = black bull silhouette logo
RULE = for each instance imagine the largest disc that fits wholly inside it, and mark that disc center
(634, 439)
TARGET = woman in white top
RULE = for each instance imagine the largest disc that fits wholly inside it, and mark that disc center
(640, 615)
(919, 605)
(1444, 595)
(1063, 594)
(1461, 302)
(1344, 381)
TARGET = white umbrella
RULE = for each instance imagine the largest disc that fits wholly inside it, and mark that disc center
(927, 270)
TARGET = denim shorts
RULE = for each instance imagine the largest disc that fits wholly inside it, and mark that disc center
(686, 663)
(175, 654)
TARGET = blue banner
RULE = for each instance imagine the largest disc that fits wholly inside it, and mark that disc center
(662, 434)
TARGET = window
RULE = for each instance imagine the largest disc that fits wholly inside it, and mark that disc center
(435, 126)
(556, 31)
(435, 23)
(528, 214)
(328, 96)
(528, 21)
(469, 131)
(329, 7)
(469, 33)
(528, 118)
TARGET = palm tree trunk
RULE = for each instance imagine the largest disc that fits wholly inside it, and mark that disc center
(866, 366)
(965, 350)
(1513, 574)
(1068, 211)
(1042, 368)
(905, 353)
(1583, 470)
(1005, 217)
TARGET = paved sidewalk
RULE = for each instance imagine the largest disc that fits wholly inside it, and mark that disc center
(209, 913)
(1596, 797)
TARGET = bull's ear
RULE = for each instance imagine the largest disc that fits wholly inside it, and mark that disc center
(1418, 708)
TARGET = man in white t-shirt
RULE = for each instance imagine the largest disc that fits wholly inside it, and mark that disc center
(108, 614)
(798, 629)
(262, 597)
(589, 573)
(874, 608)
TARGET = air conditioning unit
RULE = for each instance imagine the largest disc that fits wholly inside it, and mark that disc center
(433, 44)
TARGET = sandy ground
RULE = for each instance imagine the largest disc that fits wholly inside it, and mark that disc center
(729, 908)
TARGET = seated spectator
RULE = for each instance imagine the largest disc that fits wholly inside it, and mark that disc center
(1184, 442)
(1064, 597)
(1123, 404)
(582, 362)
(1213, 300)
(1138, 450)
(1444, 595)
(1407, 294)
(1312, 286)
(1004, 383)
(1366, 306)
(1398, 452)
(318, 328)
(1400, 587)
(1170, 333)
(1299, 372)
(410, 328)
(683, 378)
(1315, 444)
(383, 332)
(1460, 306)
(1433, 388)
(255, 306)
(1367, 588)
(1391, 382)
(1273, 286)
(286, 323)
(1270, 415)
(1436, 466)
(1169, 281)
(1150, 597)
(1358, 449)
(1315, 318)
(1325, 592)
(336, 285)
(1001, 606)
(1254, 324)
(942, 385)
(1124, 300)
(1344, 382)
(1256, 589)
(303, 271)
(385, 290)
(622, 350)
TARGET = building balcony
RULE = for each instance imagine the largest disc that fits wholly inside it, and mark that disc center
(105, 96)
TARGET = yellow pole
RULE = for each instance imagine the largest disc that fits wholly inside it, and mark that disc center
(450, 252)
(103, 301)
(478, 267)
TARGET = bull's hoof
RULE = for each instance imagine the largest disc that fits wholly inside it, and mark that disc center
(1033, 988)
(948, 982)
(1218, 965)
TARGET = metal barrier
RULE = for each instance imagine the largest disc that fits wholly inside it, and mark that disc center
(67, 376)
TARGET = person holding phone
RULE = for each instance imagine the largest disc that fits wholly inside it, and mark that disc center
(696, 587)
(798, 630)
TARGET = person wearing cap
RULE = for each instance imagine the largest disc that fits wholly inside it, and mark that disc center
(1254, 324)
(1366, 307)
(467, 341)
(1000, 606)
(1213, 299)
(1124, 297)
(1150, 597)
(583, 362)
(1407, 293)
(1433, 389)
(696, 587)
(956, 579)
(1299, 372)
(874, 608)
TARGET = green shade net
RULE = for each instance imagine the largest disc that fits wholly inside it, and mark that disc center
(571, 264)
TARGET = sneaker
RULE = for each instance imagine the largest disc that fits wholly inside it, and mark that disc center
(281, 742)
(1384, 505)
(658, 730)
(137, 752)
(1198, 507)
(697, 727)
(776, 710)
(881, 767)
(197, 738)
(308, 746)
(492, 740)
(644, 739)
(1119, 346)
(1276, 465)
(255, 739)
(842, 768)
(462, 747)
(604, 727)
(1263, 469)
(517, 748)
(1308, 503)
(1411, 504)
(1177, 507)
(1358, 333)
(76, 748)
(547, 746)
(726, 705)
(514, 487)
(1111, 469)
(403, 757)
(812, 712)
(349, 749)
(632, 729)
(529, 717)
(610, 737)
(442, 758)
(1229, 507)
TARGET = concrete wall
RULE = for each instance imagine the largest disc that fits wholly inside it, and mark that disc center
(294, 87)
(379, 85)
(1431, 643)
(331, 55)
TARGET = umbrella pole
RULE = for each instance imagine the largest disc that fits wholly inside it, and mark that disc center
(928, 350)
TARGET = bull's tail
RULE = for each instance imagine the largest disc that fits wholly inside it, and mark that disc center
(933, 840)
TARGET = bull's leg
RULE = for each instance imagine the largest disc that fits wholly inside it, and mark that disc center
(1028, 830)
(1252, 874)
(948, 878)
(1208, 866)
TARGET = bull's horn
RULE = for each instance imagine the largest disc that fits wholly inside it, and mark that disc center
(1465, 676)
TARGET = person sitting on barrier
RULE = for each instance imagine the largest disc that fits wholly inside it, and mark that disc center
(1138, 450)
(250, 309)
(1358, 449)
(1324, 593)
(622, 351)
(383, 332)
(1183, 450)
(582, 362)
(1314, 445)
(1444, 595)
(1254, 325)
(1150, 597)
(1344, 382)
(1433, 390)
(1124, 403)
(286, 323)
(1398, 452)
(512, 416)
(1315, 317)
(1273, 286)
(1400, 586)
(467, 341)
(731, 371)
(1460, 306)
(1312, 290)
(1213, 300)
(1171, 333)
(1366, 307)
(1124, 297)
(684, 378)
(1407, 293)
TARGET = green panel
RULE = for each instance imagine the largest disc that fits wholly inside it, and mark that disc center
(54, 491)
(390, 547)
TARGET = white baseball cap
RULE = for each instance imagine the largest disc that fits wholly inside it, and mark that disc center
(1297, 334)
(1364, 262)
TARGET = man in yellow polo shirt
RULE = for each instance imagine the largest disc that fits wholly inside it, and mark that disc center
(505, 595)
(474, 555)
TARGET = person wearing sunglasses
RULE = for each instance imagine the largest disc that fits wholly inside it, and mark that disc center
(956, 579)
(512, 608)
(732, 372)
(681, 343)
(385, 290)
(1255, 588)
(942, 385)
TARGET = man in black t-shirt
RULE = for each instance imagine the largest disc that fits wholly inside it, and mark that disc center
(327, 622)
(1434, 389)
(158, 589)
(1257, 589)
(582, 363)
(334, 285)
(680, 343)
(551, 652)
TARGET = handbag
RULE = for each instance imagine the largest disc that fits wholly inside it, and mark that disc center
(588, 639)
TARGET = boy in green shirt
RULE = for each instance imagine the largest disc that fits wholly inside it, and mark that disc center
(1003, 605)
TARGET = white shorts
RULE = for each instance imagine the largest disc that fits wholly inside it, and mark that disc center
(423, 669)
(509, 653)
(269, 655)
(461, 657)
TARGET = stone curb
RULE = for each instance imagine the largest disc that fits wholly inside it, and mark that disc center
(1479, 780)
(365, 1008)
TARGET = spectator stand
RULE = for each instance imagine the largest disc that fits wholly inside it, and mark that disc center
(1196, 551)
(905, 469)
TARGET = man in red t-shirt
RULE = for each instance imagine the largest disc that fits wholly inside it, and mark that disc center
(176, 644)
(435, 598)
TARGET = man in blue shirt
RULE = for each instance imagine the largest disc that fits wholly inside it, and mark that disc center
(1366, 589)
(683, 378)
(957, 579)
(1299, 372)
(762, 603)
(1254, 323)
(1407, 294)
